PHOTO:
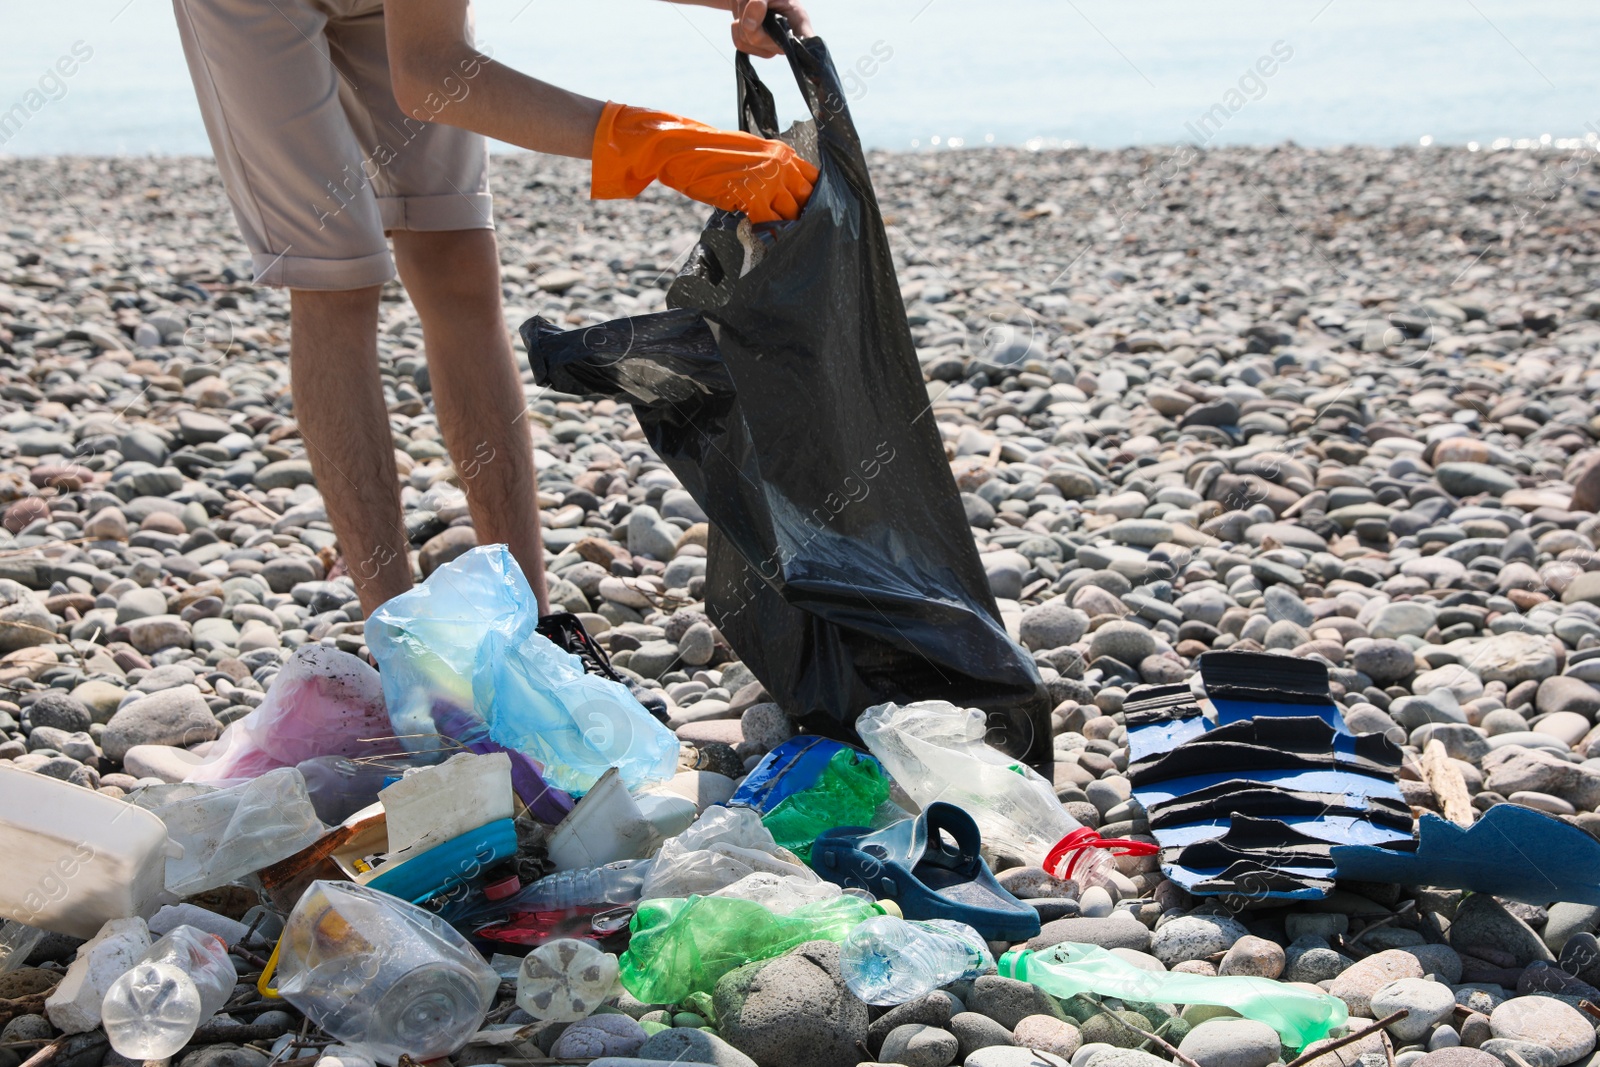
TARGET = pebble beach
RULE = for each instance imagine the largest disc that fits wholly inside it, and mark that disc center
(1334, 403)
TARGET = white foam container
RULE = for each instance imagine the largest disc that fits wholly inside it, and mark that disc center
(74, 858)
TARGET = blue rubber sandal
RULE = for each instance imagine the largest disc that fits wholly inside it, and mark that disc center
(930, 867)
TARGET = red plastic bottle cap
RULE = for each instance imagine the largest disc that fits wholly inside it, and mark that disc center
(504, 888)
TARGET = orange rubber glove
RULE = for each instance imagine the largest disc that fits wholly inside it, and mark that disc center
(735, 171)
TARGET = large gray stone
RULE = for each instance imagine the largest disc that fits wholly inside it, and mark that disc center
(1231, 1043)
(918, 1045)
(686, 1044)
(1559, 1027)
(1483, 923)
(1194, 937)
(1008, 1001)
(177, 716)
(1117, 930)
(792, 1011)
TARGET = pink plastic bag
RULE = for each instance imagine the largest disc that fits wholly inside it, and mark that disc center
(323, 703)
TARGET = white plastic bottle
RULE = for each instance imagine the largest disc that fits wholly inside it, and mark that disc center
(154, 1009)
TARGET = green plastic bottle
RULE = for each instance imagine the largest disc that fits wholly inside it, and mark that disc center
(1299, 1015)
(847, 793)
(680, 946)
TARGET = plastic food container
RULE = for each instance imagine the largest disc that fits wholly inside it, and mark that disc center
(75, 858)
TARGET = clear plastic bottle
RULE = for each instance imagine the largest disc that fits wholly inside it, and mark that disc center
(936, 751)
(891, 961)
(565, 980)
(154, 1009)
(615, 883)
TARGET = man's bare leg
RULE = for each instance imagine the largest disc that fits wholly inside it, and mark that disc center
(338, 402)
(453, 277)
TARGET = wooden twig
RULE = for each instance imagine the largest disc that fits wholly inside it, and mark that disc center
(1589, 1008)
(1444, 779)
(234, 1033)
(1349, 1039)
(44, 1055)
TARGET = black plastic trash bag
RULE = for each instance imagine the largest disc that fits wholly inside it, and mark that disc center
(841, 567)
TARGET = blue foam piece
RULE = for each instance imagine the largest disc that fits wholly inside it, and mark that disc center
(1162, 737)
(1511, 852)
(1190, 877)
(1234, 710)
(1334, 829)
(1351, 783)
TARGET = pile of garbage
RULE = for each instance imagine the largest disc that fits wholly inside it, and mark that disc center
(487, 850)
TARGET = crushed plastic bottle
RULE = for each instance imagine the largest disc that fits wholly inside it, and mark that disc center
(778, 894)
(154, 1008)
(849, 792)
(888, 961)
(936, 751)
(374, 971)
(723, 846)
(565, 980)
(1300, 1016)
(679, 946)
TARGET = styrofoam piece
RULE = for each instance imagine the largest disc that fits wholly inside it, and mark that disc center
(605, 826)
(75, 858)
(74, 1007)
(432, 805)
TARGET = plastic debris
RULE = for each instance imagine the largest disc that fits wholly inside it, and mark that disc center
(565, 980)
(460, 659)
(154, 1008)
(56, 835)
(681, 946)
(322, 703)
(228, 833)
(375, 971)
(1299, 1015)
(851, 790)
(723, 846)
(887, 960)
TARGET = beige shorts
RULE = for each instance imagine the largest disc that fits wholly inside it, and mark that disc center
(318, 160)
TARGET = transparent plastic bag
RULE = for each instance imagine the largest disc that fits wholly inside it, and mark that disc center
(460, 658)
(779, 894)
(229, 833)
(377, 972)
(936, 751)
(721, 847)
(323, 703)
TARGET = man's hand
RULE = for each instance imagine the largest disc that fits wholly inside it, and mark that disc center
(748, 36)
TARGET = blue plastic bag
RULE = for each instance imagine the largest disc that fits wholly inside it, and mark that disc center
(459, 657)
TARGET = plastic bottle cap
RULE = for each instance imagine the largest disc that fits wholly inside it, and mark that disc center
(504, 888)
(889, 907)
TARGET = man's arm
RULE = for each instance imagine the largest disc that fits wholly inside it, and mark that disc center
(437, 75)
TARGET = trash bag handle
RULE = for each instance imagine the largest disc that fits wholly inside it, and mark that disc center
(817, 81)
